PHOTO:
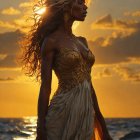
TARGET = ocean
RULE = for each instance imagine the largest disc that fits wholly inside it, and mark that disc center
(25, 128)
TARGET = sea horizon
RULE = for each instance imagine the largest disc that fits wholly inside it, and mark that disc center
(24, 128)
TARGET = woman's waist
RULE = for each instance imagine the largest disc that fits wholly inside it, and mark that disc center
(69, 83)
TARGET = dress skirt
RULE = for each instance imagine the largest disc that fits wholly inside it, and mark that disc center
(71, 115)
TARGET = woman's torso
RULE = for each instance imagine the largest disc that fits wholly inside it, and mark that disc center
(72, 63)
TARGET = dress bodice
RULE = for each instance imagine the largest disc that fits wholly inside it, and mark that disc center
(72, 67)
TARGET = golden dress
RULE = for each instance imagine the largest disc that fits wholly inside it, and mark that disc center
(71, 115)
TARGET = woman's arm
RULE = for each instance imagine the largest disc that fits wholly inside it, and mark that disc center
(100, 122)
(99, 119)
(45, 89)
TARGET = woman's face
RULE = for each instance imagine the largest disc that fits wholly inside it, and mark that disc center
(79, 10)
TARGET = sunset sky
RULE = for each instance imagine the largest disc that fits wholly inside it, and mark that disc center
(112, 29)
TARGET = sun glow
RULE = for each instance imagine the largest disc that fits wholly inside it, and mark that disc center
(40, 10)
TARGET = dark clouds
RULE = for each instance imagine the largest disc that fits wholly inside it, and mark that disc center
(122, 45)
(118, 49)
(107, 22)
(8, 42)
(113, 49)
(119, 46)
(9, 47)
(8, 61)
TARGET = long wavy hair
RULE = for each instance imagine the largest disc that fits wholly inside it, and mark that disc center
(43, 26)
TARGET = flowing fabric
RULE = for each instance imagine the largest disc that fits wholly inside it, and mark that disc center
(97, 130)
(71, 115)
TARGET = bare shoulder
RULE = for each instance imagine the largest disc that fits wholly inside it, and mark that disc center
(49, 44)
(83, 40)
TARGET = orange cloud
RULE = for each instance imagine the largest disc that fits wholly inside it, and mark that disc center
(2, 56)
(5, 24)
(10, 11)
(21, 23)
(25, 4)
(133, 14)
(128, 73)
(116, 48)
(108, 23)
(105, 72)
(6, 79)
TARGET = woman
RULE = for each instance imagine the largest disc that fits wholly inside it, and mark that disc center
(73, 112)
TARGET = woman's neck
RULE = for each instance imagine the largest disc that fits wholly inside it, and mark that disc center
(66, 27)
